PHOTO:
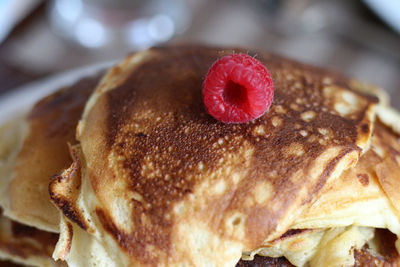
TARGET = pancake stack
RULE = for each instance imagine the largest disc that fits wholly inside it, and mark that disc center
(150, 179)
(32, 149)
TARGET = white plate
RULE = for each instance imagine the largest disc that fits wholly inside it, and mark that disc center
(387, 10)
(21, 99)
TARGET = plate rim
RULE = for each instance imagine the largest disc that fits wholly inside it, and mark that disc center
(21, 99)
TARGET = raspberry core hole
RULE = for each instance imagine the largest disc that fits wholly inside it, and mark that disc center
(235, 94)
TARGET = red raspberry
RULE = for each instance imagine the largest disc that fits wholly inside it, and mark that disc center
(237, 89)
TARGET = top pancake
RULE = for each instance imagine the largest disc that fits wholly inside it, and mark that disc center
(43, 152)
(173, 185)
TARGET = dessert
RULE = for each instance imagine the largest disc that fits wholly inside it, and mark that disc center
(156, 181)
(153, 180)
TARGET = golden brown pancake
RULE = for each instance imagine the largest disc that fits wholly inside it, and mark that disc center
(386, 114)
(26, 245)
(39, 152)
(25, 172)
(369, 185)
(347, 211)
(385, 254)
(12, 135)
(157, 181)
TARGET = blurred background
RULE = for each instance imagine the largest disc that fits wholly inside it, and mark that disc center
(39, 38)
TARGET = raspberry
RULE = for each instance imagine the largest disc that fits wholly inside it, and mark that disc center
(237, 89)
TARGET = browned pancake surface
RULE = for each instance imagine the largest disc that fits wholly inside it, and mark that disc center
(45, 152)
(388, 171)
(184, 136)
(149, 144)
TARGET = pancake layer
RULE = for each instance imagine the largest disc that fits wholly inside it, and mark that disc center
(380, 251)
(26, 245)
(348, 210)
(35, 150)
(157, 181)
